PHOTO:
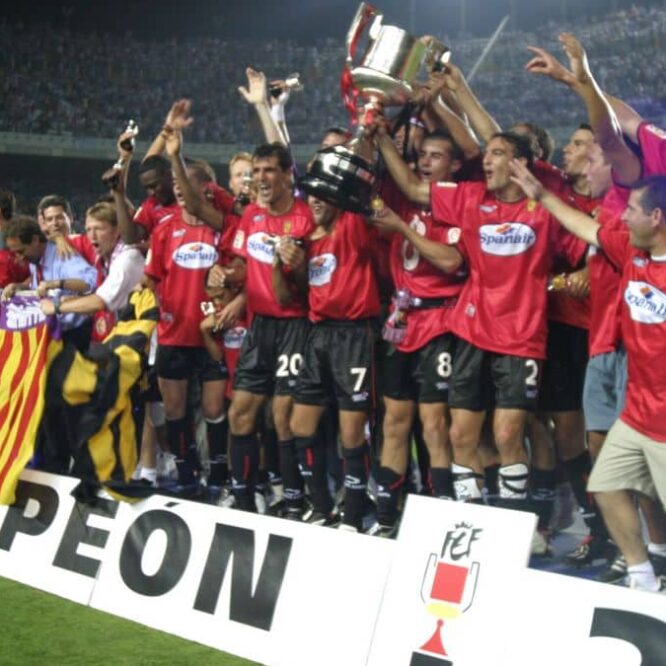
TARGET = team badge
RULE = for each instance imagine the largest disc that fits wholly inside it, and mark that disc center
(286, 227)
(531, 205)
(453, 235)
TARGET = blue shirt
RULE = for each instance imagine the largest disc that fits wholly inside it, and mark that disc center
(53, 267)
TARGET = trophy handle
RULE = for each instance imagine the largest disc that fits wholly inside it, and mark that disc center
(437, 56)
(428, 577)
(364, 13)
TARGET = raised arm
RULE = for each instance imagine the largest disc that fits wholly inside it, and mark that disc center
(256, 95)
(578, 223)
(602, 118)
(481, 121)
(195, 203)
(410, 184)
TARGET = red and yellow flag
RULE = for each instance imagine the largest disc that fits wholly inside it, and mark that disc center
(28, 343)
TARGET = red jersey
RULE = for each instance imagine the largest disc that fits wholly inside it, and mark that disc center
(151, 213)
(508, 247)
(256, 237)
(12, 269)
(179, 256)
(81, 243)
(605, 278)
(420, 278)
(340, 272)
(643, 289)
(562, 307)
(652, 142)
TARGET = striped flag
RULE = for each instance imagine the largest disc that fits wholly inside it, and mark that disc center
(28, 343)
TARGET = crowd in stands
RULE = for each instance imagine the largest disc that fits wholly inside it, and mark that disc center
(53, 81)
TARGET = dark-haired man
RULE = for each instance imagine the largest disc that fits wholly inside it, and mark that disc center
(272, 350)
(156, 179)
(500, 318)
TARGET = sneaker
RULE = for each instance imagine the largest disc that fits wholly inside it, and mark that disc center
(345, 527)
(294, 513)
(226, 499)
(166, 466)
(382, 531)
(590, 550)
(540, 543)
(331, 519)
(615, 573)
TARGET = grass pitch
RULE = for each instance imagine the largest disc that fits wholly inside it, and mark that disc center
(39, 628)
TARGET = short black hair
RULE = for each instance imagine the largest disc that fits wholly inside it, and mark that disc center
(654, 195)
(55, 200)
(586, 126)
(544, 140)
(442, 135)
(522, 146)
(155, 162)
(277, 150)
(7, 203)
(24, 228)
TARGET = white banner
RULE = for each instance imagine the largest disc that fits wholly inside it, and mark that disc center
(49, 541)
(270, 590)
(451, 588)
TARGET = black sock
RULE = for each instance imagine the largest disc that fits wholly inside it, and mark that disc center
(357, 464)
(269, 442)
(219, 471)
(177, 436)
(312, 464)
(244, 469)
(389, 489)
(491, 479)
(542, 484)
(441, 481)
(217, 433)
(291, 477)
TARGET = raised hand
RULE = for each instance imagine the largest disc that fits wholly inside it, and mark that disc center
(179, 117)
(173, 141)
(526, 180)
(255, 93)
(546, 64)
(453, 78)
(384, 218)
(577, 57)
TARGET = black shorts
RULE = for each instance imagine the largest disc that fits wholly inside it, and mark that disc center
(422, 375)
(339, 365)
(483, 380)
(271, 355)
(174, 362)
(564, 368)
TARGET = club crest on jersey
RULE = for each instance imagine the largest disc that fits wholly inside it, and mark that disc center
(657, 131)
(261, 246)
(286, 227)
(195, 255)
(453, 235)
(647, 304)
(507, 239)
(233, 337)
(321, 269)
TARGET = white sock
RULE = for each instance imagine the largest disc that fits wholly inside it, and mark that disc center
(149, 474)
(657, 549)
(641, 577)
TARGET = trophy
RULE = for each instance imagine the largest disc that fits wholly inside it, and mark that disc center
(345, 175)
(291, 84)
(111, 176)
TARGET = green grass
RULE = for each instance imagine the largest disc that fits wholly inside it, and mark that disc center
(39, 628)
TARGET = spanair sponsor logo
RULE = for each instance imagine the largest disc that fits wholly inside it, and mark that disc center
(261, 246)
(194, 256)
(233, 337)
(657, 131)
(321, 269)
(506, 240)
(647, 304)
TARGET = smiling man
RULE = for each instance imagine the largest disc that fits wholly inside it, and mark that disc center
(273, 348)
(120, 268)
